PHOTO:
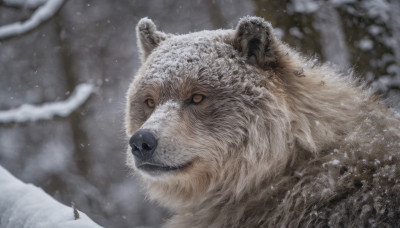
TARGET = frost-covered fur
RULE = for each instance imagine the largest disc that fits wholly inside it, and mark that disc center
(278, 141)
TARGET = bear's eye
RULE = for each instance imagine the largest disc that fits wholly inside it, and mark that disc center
(150, 103)
(197, 98)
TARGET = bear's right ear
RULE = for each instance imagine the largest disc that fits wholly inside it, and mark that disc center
(255, 39)
(148, 37)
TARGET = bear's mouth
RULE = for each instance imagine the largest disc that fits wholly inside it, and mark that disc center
(156, 168)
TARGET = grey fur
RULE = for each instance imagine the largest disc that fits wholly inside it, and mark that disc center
(278, 141)
(254, 38)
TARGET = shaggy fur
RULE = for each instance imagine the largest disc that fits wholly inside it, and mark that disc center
(278, 141)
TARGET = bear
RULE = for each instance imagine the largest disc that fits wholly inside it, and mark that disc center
(233, 128)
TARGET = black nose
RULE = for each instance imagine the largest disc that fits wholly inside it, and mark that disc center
(143, 144)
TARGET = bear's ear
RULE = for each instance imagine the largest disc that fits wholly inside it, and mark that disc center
(255, 39)
(148, 37)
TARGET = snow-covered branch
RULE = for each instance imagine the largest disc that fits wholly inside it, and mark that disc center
(29, 112)
(29, 4)
(42, 14)
(27, 206)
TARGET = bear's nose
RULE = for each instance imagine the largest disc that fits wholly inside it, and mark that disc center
(143, 145)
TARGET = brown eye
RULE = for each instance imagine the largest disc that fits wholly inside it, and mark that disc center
(197, 98)
(150, 103)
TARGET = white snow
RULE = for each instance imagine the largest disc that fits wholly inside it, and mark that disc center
(42, 14)
(341, 2)
(298, 174)
(26, 206)
(28, 112)
(295, 31)
(366, 44)
(279, 33)
(305, 6)
(375, 30)
(377, 9)
(384, 82)
(335, 162)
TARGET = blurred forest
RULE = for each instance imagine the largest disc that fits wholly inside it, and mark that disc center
(81, 157)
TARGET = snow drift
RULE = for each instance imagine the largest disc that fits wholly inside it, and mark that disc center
(27, 206)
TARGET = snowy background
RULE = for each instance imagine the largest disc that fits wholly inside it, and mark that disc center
(63, 82)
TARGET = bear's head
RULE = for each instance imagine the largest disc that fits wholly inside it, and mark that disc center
(207, 112)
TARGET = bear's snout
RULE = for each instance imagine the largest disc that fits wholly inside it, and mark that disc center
(143, 144)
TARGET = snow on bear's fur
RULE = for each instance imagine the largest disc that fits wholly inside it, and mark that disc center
(232, 128)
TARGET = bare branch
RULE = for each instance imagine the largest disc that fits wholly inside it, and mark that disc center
(76, 212)
(41, 15)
